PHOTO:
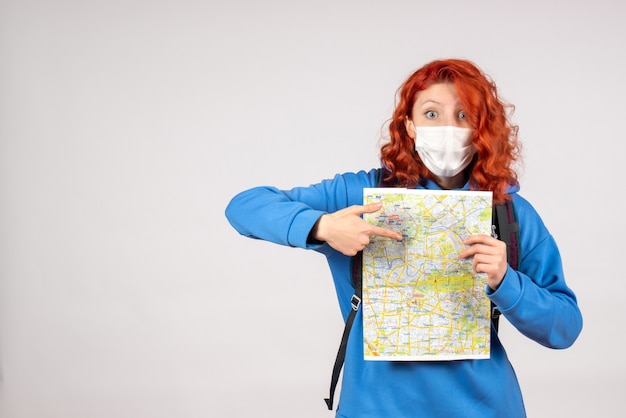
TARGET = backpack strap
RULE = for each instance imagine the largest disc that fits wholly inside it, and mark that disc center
(357, 277)
(356, 268)
(507, 230)
(384, 178)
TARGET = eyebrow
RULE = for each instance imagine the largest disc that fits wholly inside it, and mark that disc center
(435, 102)
(431, 101)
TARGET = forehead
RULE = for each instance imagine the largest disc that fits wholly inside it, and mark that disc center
(438, 93)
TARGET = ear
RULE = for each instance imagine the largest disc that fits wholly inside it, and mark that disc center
(410, 127)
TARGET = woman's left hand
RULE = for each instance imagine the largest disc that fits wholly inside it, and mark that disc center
(489, 257)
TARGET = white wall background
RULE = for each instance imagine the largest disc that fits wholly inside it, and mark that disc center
(127, 125)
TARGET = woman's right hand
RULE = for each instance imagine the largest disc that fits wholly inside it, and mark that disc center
(347, 232)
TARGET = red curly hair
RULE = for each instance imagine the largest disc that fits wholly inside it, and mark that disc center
(495, 138)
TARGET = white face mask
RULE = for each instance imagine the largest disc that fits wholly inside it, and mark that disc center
(445, 150)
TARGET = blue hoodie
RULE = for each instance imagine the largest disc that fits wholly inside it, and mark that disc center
(535, 300)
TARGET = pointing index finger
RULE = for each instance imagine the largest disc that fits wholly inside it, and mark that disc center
(386, 233)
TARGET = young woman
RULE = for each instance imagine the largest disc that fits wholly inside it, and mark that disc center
(449, 130)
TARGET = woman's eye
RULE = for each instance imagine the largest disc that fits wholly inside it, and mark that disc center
(462, 115)
(431, 114)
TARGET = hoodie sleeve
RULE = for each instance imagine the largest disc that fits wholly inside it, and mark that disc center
(286, 217)
(536, 299)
